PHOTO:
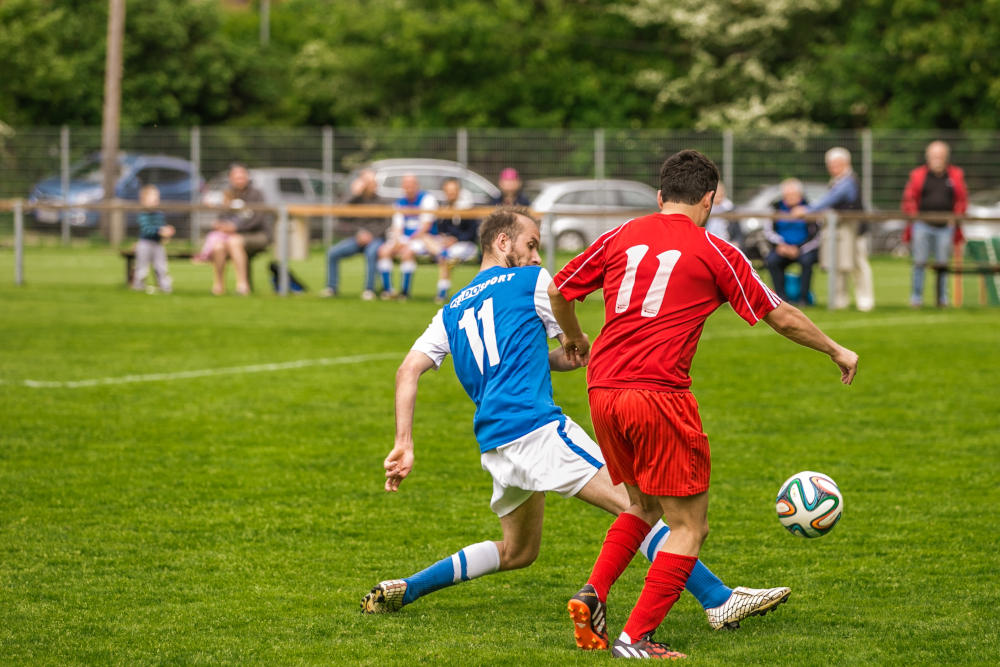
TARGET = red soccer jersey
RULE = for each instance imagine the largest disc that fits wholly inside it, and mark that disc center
(662, 277)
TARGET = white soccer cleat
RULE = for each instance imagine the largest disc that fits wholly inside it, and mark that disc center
(386, 597)
(746, 602)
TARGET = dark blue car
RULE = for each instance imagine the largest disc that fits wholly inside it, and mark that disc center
(176, 179)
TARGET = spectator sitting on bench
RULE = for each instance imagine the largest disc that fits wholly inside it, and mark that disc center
(243, 232)
(412, 233)
(459, 237)
(793, 241)
(153, 232)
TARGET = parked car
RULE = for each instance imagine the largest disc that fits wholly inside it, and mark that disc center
(279, 185)
(430, 173)
(984, 204)
(176, 178)
(580, 210)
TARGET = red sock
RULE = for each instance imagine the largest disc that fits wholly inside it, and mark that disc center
(622, 541)
(666, 578)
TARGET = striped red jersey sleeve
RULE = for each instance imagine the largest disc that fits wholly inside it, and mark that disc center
(740, 284)
(585, 272)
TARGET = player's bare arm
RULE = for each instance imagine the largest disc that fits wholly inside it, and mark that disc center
(575, 343)
(399, 462)
(794, 325)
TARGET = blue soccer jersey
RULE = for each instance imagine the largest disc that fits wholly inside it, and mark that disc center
(408, 223)
(495, 329)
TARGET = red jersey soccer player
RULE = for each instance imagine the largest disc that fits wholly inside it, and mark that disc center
(662, 276)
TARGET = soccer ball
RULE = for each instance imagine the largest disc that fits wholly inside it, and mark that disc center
(809, 504)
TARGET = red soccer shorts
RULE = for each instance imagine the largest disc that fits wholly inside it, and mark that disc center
(652, 440)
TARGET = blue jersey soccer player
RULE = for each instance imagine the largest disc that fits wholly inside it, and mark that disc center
(496, 329)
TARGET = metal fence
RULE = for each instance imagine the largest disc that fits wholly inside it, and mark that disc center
(882, 158)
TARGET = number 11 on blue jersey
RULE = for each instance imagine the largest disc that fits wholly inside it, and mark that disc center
(468, 324)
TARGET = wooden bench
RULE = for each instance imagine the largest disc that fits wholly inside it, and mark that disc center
(129, 256)
(987, 293)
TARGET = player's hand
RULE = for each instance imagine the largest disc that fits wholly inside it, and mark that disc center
(848, 363)
(398, 465)
(577, 350)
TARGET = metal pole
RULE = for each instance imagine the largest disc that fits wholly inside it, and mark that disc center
(866, 169)
(327, 184)
(195, 183)
(599, 153)
(283, 250)
(834, 267)
(550, 243)
(18, 242)
(727, 161)
(64, 182)
(462, 151)
(265, 22)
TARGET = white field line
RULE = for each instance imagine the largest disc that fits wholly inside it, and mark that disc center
(208, 372)
(736, 332)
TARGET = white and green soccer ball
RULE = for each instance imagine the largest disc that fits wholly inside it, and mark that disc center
(809, 504)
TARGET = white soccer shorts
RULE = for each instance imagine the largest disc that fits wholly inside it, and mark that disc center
(461, 251)
(550, 458)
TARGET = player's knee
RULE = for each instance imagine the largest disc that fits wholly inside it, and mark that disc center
(511, 559)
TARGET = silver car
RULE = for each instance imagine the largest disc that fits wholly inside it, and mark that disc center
(581, 210)
(430, 173)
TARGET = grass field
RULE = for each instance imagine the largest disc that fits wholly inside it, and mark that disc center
(235, 514)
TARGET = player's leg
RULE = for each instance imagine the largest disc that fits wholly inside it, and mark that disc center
(522, 537)
(942, 252)
(920, 251)
(334, 254)
(408, 265)
(238, 253)
(864, 286)
(143, 258)
(776, 265)
(385, 255)
(160, 267)
(371, 262)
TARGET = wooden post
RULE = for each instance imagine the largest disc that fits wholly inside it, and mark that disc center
(112, 224)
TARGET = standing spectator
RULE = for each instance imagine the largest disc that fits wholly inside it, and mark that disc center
(510, 189)
(852, 237)
(412, 233)
(458, 236)
(363, 192)
(720, 226)
(794, 241)
(661, 276)
(247, 232)
(153, 232)
(935, 186)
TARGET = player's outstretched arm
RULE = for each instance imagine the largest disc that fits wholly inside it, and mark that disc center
(794, 325)
(576, 345)
(399, 462)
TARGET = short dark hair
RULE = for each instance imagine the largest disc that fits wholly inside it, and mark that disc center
(451, 179)
(686, 176)
(502, 221)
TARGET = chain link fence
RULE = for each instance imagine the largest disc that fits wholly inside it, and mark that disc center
(882, 158)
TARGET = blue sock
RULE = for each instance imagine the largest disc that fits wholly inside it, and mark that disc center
(473, 561)
(439, 575)
(407, 279)
(707, 588)
(387, 281)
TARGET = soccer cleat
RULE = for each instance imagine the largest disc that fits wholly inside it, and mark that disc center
(644, 649)
(384, 598)
(746, 602)
(589, 624)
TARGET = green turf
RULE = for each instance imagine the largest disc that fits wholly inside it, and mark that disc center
(239, 518)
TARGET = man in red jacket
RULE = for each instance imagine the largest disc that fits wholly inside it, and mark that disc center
(936, 186)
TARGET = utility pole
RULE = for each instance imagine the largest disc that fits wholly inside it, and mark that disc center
(112, 226)
(265, 22)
